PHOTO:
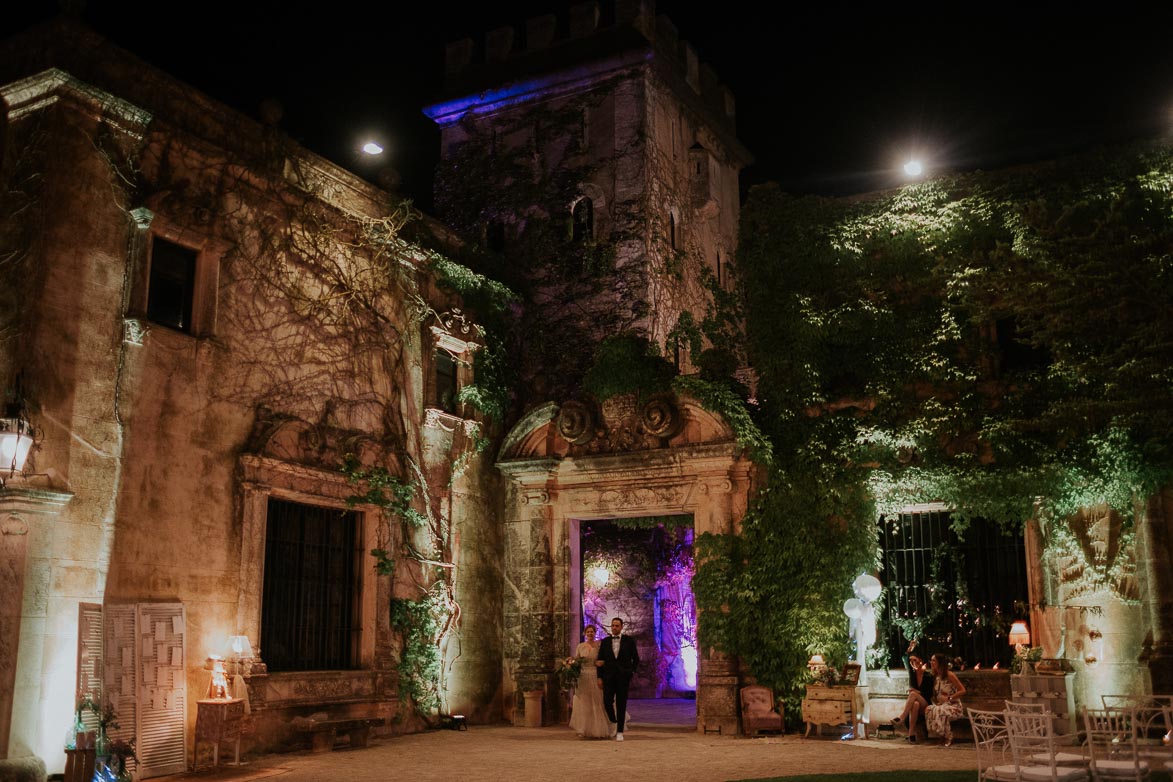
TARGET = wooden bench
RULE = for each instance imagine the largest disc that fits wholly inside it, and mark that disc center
(323, 733)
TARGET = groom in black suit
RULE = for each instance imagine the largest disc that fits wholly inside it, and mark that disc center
(617, 661)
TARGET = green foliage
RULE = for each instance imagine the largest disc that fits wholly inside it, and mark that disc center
(490, 391)
(420, 622)
(626, 363)
(649, 522)
(478, 291)
(383, 490)
(997, 341)
(721, 398)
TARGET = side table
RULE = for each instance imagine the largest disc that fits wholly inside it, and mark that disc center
(217, 721)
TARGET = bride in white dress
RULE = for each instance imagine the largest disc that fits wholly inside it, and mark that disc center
(587, 716)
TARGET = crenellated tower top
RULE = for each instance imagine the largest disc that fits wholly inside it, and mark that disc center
(510, 63)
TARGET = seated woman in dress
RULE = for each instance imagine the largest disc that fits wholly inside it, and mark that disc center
(946, 705)
(587, 715)
(920, 692)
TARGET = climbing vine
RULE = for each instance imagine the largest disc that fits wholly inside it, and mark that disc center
(997, 341)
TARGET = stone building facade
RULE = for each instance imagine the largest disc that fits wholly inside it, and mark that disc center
(205, 321)
(644, 136)
(307, 326)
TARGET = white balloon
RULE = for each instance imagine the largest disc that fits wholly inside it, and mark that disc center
(868, 587)
(853, 607)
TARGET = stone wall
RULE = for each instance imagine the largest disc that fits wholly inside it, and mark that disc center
(171, 441)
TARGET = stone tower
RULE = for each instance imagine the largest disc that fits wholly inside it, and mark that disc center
(599, 157)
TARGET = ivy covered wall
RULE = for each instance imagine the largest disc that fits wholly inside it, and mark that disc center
(999, 342)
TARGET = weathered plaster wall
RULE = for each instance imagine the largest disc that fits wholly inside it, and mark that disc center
(172, 442)
(69, 370)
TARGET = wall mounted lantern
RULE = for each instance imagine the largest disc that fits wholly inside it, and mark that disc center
(16, 440)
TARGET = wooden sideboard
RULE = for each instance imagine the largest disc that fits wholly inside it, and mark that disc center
(840, 705)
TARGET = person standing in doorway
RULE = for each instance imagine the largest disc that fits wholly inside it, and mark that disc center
(618, 659)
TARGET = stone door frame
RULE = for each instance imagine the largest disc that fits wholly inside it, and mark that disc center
(549, 493)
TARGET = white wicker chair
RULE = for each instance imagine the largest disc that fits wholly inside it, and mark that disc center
(1036, 749)
(994, 757)
(1111, 742)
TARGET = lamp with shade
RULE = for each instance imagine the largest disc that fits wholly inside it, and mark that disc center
(1019, 636)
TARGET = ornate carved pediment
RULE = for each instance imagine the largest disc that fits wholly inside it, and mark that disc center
(293, 440)
(620, 424)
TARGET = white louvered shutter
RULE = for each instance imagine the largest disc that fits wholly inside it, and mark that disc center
(89, 657)
(162, 689)
(118, 667)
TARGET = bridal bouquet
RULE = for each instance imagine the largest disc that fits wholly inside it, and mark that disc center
(568, 672)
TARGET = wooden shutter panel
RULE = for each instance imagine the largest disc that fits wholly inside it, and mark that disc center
(118, 667)
(162, 691)
(89, 657)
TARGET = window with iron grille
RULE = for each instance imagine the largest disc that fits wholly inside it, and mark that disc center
(310, 606)
(959, 593)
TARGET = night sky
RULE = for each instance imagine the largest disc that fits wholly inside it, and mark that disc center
(831, 99)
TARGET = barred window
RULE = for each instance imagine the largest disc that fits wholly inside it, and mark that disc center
(310, 604)
(960, 592)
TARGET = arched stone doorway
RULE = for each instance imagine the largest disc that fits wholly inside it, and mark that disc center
(665, 456)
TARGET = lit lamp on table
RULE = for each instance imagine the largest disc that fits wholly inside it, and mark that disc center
(218, 686)
(240, 653)
(1019, 636)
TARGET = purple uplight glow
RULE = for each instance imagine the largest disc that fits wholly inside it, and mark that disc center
(652, 594)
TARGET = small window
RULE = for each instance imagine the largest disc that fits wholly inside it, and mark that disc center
(171, 290)
(310, 616)
(1017, 354)
(446, 383)
(582, 221)
(495, 236)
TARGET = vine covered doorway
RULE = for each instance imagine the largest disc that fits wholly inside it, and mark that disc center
(557, 482)
(641, 569)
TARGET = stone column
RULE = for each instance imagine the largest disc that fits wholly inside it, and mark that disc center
(1153, 536)
(530, 605)
(18, 721)
(13, 550)
(718, 679)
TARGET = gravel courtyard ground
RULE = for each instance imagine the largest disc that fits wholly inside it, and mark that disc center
(556, 754)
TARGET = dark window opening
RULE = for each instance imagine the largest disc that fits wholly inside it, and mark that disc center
(961, 593)
(446, 386)
(582, 219)
(171, 290)
(1016, 353)
(310, 607)
(495, 236)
